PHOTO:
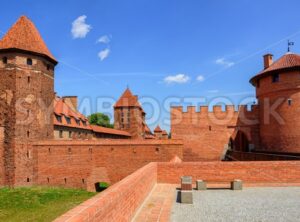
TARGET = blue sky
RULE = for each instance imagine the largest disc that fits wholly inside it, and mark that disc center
(161, 49)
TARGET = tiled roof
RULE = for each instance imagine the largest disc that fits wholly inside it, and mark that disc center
(128, 100)
(24, 35)
(288, 61)
(157, 129)
(164, 132)
(100, 129)
(64, 111)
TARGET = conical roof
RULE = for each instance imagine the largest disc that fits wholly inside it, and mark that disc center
(289, 61)
(24, 35)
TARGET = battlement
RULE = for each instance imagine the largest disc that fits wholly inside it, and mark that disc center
(217, 109)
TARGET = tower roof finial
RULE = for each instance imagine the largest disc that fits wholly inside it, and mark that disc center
(289, 45)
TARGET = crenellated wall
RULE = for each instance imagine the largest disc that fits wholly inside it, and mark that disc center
(206, 134)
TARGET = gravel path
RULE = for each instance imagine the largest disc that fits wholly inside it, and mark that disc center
(250, 204)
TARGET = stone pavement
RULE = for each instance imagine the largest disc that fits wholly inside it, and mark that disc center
(158, 205)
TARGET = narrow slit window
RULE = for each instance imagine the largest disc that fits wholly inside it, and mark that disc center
(4, 60)
(290, 102)
(275, 77)
(29, 62)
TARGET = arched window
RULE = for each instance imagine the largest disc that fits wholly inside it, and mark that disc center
(4, 60)
(29, 62)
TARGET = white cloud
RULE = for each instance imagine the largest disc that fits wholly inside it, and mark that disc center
(104, 54)
(104, 39)
(79, 28)
(224, 62)
(179, 78)
(200, 78)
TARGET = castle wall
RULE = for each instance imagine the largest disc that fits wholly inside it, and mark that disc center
(81, 164)
(258, 173)
(118, 203)
(206, 135)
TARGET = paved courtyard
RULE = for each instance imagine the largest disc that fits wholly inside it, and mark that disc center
(251, 204)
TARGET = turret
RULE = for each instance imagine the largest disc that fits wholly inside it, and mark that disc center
(278, 94)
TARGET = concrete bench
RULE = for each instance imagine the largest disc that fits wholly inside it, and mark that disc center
(234, 185)
(186, 192)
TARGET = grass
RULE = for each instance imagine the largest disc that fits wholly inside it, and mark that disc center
(38, 204)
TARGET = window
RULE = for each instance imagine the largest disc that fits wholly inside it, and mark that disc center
(258, 83)
(275, 78)
(209, 128)
(78, 122)
(122, 120)
(29, 62)
(60, 134)
(48, 67)
(28, 180)
(28, 134)
(28, 79)
(70, 134)
(289, 102)
(68, 120)
(4, 60)
(84, 123)
(58, 118)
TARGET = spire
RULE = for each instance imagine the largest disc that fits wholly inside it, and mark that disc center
(24, 35)
(128, 100)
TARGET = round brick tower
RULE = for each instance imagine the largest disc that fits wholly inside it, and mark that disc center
(278, 94)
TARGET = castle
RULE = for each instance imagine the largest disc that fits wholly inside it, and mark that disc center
(45, 140)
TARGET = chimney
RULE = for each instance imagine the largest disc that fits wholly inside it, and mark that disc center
(268, 60)
(71, 101)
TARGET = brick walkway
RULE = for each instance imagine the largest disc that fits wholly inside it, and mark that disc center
(157, 207)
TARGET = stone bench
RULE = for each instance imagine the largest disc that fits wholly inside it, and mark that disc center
(186, 192)
(234, 185)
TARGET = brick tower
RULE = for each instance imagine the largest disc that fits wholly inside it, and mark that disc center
(26, 97)
(129, 115)
(278, 94)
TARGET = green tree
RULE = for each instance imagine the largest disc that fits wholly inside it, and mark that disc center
(100, 119)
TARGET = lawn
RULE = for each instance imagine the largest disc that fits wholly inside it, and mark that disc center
(38, 203)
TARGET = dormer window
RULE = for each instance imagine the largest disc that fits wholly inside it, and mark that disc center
(29, 62)
(84, 123)
(78, 122)
(68, 119)
(275, 77)
(4, 60)
(58, 118)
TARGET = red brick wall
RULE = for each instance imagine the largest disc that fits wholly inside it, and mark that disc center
(255, 156)
(206, 134)
(83, 163)
(276, 135)
(269, 172)
(28, 93)
(119, 202)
